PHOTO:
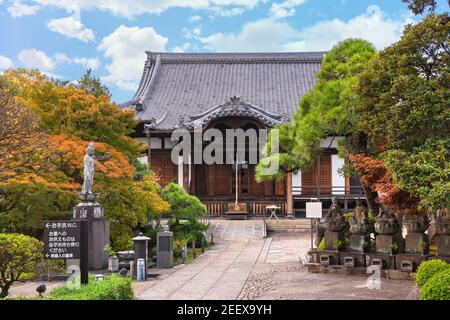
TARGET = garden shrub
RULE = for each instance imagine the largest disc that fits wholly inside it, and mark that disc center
(437, 287)
(19, 254)
(322, 245)
(111, 288)
(427, 269)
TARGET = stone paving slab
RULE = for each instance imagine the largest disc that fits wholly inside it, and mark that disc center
(244, 265)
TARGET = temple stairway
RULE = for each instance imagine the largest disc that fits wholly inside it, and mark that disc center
(288, 226)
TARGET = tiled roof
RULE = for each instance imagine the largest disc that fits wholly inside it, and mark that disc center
(178, 86)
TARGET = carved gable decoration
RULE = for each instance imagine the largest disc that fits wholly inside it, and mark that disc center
(233, 107)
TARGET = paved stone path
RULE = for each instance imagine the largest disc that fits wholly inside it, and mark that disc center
(243, 265)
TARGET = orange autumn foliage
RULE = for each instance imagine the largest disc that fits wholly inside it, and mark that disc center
(375, 175)
(70, 152)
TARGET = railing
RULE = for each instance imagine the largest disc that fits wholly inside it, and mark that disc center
(259, 208)
(255, 207)
(315, 191)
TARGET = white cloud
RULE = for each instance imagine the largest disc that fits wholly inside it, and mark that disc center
(19, 9)
(222, 12)
(35, 59)
(5, 62)
(182, 48)
(126, 47)
(71, 28)
(372, 26)
(195, 19)
(284, 9)
(260, 35)
(272, 35)
(88, 63)
(132, 8)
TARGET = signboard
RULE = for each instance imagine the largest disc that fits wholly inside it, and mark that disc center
(62, 239)
(314, 210)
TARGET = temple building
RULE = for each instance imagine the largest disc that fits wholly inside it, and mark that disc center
(198, 91)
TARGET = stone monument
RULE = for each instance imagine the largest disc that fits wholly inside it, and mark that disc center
(334, 226)
(443, 233)
(386, 227)
(359, 229)
(89, 209)
(417, 244)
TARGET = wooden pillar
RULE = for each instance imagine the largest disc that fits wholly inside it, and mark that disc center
(149, 152)
(289, 197)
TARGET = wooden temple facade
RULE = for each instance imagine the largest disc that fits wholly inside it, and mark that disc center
(198, 92)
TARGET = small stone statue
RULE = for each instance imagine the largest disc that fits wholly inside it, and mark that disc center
(334, 219)
(359, 221)
(89, 163)
(386, 222)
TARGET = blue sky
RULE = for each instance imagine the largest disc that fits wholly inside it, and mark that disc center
(65, 37)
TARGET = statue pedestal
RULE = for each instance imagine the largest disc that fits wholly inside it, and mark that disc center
(408, 261)
(384, 261)
(443, 244)
(414, 243)
(352, 259)
(383, 241)
(331, 237)
(98, 229)
(357, 242)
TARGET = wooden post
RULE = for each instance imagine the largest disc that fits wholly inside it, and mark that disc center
(289, 198)
(149, 152)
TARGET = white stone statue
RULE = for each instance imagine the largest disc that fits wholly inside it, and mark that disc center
(89, 163)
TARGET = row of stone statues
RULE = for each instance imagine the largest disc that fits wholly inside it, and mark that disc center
(385, 222)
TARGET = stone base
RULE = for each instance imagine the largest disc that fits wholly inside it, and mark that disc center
(325, 257)
(98, 230)
(357, 242)
(446, 259)
(386, 261)
(383, 241)
(413, 243)
(98, 239)
(359, 259)
(443, 244)
(408, 261)
(362, 272)
(331, 237)
(318, 268)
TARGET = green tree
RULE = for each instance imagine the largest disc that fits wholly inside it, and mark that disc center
(327, 110)
(182, 204)
(74, 111)
(91, 84)
(420, 6)
(18, 254)
(404, 111)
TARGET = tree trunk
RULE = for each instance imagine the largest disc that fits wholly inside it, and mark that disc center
(4, 291)
(372, 205)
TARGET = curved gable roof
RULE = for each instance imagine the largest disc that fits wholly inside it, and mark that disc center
(177, 86)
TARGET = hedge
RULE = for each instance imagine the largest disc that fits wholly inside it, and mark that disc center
(437, 288)
(427, 269)
(111, 288)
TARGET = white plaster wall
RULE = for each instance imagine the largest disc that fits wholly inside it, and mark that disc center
(297, 182)
(336, 179)
(155, 143)
(168, 143)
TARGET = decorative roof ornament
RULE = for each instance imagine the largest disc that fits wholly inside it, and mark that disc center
(233, 107)
(152, 123)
